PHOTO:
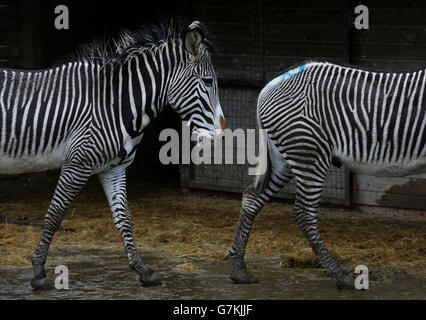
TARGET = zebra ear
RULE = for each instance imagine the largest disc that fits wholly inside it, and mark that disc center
(194, 37)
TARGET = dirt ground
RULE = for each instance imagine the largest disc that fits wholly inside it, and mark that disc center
(194, 230)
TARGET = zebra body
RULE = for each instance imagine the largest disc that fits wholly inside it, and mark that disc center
(30, 142)
(88, 116)
(370, 123)
(51, 116)
(320, 113)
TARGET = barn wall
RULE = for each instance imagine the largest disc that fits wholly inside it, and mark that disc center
(8, 34)
(396, 40)
(257, 39)
(19, 34)
(29, 40)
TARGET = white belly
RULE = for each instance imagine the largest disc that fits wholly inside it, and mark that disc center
(26, 164)
(395, 169)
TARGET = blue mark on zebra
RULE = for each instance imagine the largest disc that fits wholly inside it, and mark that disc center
(284, 76)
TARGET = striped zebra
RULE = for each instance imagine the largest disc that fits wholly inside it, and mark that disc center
(87, 116)
(317, 114)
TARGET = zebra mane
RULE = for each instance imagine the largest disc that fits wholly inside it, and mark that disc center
(118, 49)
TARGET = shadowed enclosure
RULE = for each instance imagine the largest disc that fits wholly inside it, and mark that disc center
(184, 216)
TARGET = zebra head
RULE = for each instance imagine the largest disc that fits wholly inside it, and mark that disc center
(194, 92)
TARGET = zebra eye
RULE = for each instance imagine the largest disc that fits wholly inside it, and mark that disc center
(208, 81)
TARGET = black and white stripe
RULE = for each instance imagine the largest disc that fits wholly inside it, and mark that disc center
(317, 114)
(87, 116)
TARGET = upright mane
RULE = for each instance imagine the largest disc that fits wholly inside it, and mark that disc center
(118, 49)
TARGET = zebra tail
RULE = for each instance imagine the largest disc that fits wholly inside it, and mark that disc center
(263, 170)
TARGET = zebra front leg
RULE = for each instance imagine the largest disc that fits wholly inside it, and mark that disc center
(72, 179)
(114, 184)
(308, 196)
(252, 203)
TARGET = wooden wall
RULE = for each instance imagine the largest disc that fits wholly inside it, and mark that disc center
(9, 34)
(19, 34)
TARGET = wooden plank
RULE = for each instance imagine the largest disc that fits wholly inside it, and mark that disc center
(414, 185)
(389, 64)
(237, 47)
(212, 4)
(301, 16)
(399, 192)
(302, 4)
(231, 11)
(303, 33)
(396, 16)
(307, 48)
(397, 4)
(383, 199)
(388, 51)
(393, 34)
(238, 66)
(232, 30)
(9, 36)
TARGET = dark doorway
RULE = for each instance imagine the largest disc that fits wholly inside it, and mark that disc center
(91, 20)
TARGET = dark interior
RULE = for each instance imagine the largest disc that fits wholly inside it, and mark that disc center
(96, 20)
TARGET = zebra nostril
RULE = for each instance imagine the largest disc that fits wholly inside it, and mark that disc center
(222, 123)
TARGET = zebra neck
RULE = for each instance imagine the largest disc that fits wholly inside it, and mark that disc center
(142, 84)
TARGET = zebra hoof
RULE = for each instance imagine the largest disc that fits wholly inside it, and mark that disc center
(345, 280)
(149, 278)
(41, 283)
(241, 276)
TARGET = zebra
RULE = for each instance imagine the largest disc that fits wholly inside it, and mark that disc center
(87, 117)
(316, 114)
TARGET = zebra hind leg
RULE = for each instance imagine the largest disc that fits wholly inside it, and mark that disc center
(253, 201)
(114, 184)
(72, 179)
(308, 194)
